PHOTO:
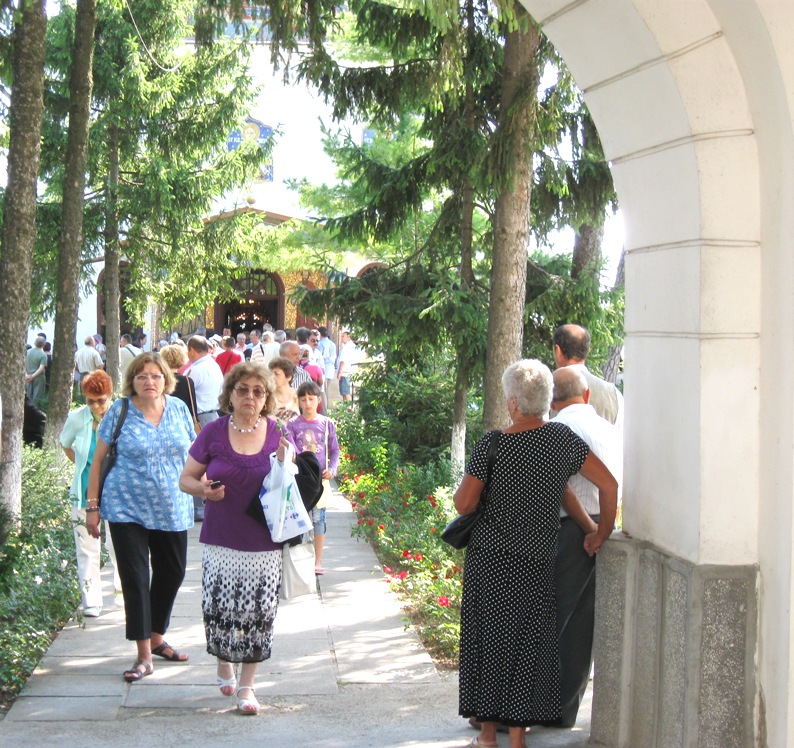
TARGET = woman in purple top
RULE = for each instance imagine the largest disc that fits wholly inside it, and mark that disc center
(242, 565)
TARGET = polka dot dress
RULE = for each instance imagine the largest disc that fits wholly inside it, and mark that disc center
(240, 602)
(509, 664)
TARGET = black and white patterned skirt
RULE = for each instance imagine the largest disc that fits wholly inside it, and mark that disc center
(240, 602)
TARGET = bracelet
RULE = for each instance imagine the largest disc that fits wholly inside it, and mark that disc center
(92, 509)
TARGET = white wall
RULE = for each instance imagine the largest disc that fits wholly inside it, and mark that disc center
(693, 101)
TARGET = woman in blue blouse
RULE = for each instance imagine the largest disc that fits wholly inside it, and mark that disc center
(148, 515)
(78, 440)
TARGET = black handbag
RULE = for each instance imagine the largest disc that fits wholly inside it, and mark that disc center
(458, 532)
(109, 460)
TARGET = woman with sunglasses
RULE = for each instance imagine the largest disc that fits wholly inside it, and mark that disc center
(79, 440)
(148, 515)
(242, 565)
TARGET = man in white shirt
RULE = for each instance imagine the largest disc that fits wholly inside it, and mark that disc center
(207, 378)
(347, 357)
(257, 352)
(575, 570)
(208, 381)
(87, 358)
(127, 352)
(269, 347)
(571, 348)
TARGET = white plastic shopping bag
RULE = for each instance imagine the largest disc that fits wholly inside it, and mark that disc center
(282, 504)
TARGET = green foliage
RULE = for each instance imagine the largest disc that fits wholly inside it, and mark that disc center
(38, 580)
(410, 407)
(554, 298)
(171, 108)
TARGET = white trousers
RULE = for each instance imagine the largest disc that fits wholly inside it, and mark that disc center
(89, 561)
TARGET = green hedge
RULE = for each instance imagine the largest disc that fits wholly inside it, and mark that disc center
(38, 575)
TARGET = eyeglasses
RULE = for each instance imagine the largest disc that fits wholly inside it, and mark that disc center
(96, 401)
(149, 377)
(314, 340)
(244, 391)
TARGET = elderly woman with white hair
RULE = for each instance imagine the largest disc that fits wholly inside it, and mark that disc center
(509, 665)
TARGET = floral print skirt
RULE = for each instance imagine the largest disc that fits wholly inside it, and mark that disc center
(240, 602)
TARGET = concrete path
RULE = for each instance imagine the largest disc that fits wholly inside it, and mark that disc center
(345, 672)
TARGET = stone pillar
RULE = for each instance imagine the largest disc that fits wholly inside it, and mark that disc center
(683, 637)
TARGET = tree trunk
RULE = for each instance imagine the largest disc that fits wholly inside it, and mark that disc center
(70, 240)
(111, 290)
(511, 222)
(587, 250)
(611, 366)
(459, 405)
(18, 238)
(463, 364)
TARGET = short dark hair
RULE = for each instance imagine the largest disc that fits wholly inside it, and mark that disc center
(302, 335)
(323, 330)
(574, 342)
(309, 388)
(198, 343)
(229, 342)
(125, 338)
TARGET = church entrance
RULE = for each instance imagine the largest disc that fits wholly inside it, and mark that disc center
(260, 301)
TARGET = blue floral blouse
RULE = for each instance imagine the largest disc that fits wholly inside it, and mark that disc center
(143, 485)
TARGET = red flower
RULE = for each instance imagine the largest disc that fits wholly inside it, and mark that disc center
(361, 495)
(434, 531)
(433, 503)
(381, 528)
(392, 509)
(361, 522)
(405, 503)
(371, 521)
(353, 504)
(443, 601)
(402, 575)
(418, 557)
(407, 554)
(430, 498)
(387, 569)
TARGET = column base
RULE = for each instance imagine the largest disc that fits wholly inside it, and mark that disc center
(674, 650)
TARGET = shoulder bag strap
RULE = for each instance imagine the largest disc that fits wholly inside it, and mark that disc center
(125, 404)
(493, 449)
(190, 391)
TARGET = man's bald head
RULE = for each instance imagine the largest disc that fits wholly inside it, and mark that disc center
(571, 345)
(570, 388)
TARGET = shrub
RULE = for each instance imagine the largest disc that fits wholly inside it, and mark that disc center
(38, 579)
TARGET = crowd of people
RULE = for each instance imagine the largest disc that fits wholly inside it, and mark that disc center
(193, 433)
(192, 430)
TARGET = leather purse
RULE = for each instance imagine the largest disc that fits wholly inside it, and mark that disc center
(109, 460)
(458, 532)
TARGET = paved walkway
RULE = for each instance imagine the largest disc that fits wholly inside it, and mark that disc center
(345, 672)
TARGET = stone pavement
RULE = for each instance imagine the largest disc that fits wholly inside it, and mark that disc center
(345, 671)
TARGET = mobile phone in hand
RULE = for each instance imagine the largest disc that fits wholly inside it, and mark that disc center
(215, 484)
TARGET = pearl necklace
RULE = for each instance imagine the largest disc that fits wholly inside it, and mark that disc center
(244, 431)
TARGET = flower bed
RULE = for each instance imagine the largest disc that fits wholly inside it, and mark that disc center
(401, 510)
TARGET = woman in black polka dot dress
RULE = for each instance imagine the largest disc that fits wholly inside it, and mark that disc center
(509, 669)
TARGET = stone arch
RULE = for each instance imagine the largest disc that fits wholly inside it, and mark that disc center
(693, 103)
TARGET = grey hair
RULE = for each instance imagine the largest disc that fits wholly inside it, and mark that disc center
(569, 383)
(280, 336)
(529, 381)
